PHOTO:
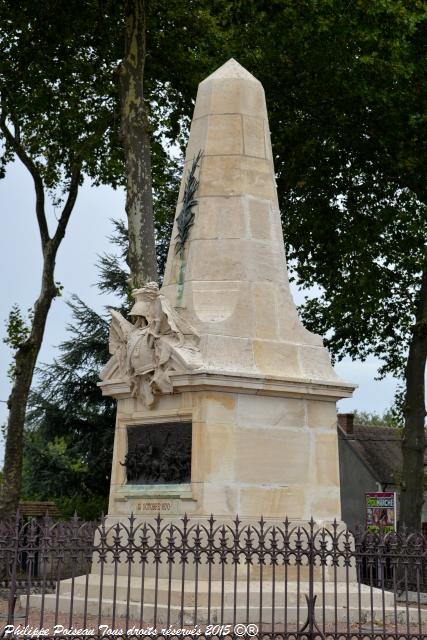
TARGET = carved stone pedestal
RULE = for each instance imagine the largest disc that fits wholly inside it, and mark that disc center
(251, 454)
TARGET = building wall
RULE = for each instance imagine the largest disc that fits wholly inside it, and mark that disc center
(355, 481)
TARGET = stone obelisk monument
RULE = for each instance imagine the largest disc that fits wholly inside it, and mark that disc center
(225, 402)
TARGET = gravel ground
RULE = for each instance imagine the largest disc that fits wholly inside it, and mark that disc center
(72, 628)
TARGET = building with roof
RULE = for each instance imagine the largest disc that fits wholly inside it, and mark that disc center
(370, 460)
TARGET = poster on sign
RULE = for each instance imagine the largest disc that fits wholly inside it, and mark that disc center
(380, 511)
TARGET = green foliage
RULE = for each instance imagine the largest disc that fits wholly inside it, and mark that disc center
(112, 270)
(349, 150)
(59, 91)
(17, 329)
(17, 332)
(59, 111)
(396, 414)
(70, 426)
(387, 419)
(166, 181)
(346, 92)
(346, 87)
(59, 77)
(87, 507)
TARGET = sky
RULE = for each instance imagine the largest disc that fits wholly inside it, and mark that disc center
(86, 238)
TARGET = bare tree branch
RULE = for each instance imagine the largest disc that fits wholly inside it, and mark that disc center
(38, 183)
(68, 207)
(103, 123)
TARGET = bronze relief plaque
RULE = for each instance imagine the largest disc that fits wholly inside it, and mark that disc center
(158, 453)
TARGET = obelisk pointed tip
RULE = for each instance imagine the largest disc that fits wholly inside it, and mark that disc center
(231, 69)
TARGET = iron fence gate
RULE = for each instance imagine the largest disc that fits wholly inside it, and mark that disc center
(203, 579)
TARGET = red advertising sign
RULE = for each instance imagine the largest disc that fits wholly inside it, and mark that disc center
(381, 511)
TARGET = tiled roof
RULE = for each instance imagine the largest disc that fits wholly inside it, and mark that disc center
(380, 450)
(38, 509)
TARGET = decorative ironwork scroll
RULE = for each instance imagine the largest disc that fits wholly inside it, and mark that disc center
(159, 454)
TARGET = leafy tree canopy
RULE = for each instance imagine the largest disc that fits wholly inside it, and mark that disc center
(346, 87)
(373, 419)
(58, 73)
(60, 77)
(346, 90)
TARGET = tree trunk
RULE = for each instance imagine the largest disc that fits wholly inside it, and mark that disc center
(27, 353)
(136, 142)
(412, 485)
(25, 361)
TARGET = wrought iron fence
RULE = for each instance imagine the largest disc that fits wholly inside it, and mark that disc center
(192, 578)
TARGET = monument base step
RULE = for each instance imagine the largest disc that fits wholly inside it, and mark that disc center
(351, 603)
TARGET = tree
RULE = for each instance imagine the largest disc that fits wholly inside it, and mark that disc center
(180, 41)
(373, 419)
(136, 137)
(70, 426)
(346, 90)
(345, 84)
(69, 432)
(53, 121)
(59, 114)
